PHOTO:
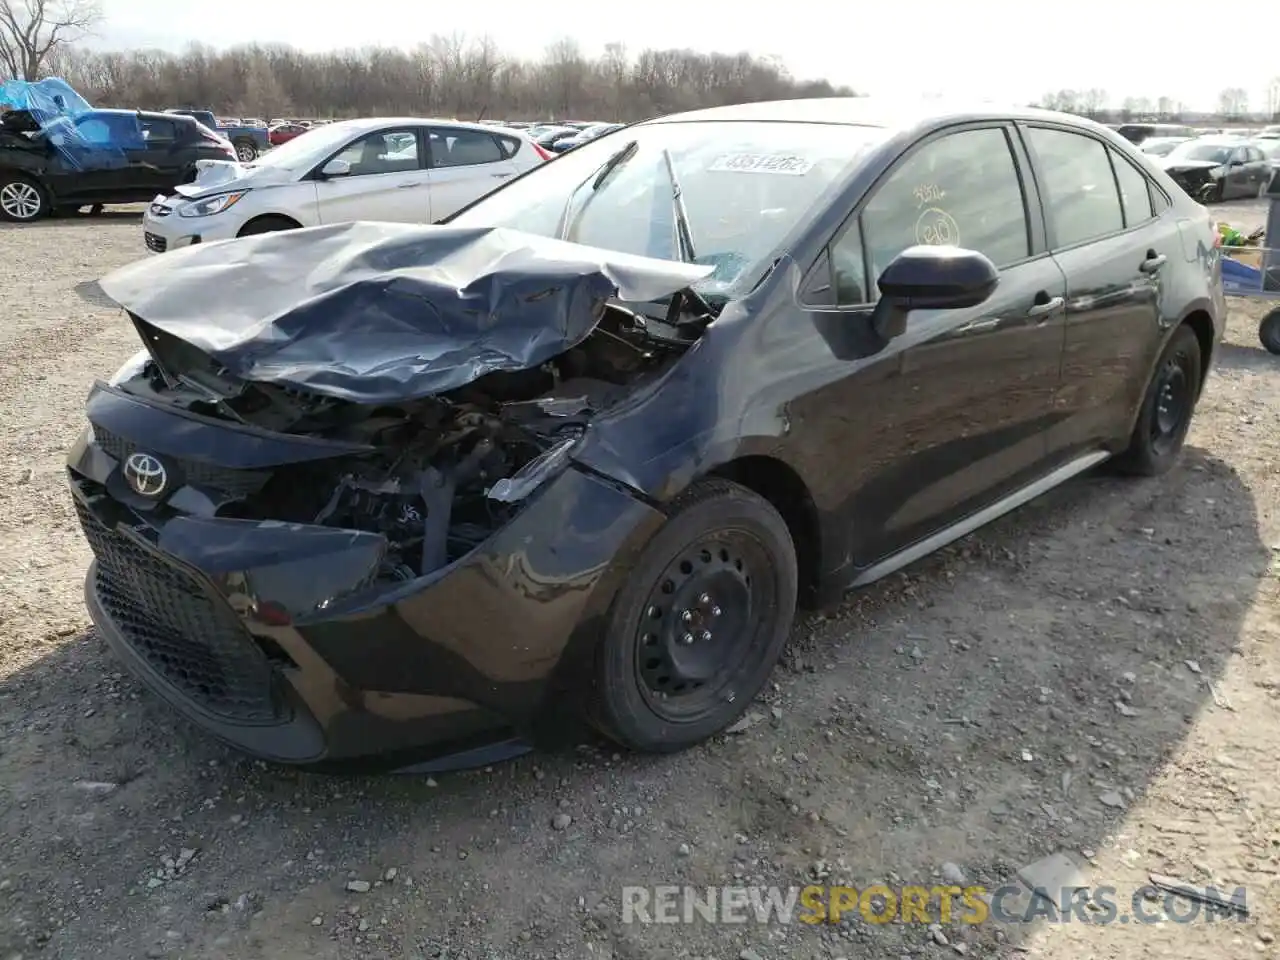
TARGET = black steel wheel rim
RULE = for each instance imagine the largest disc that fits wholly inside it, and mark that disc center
(1172, 404)
(705, 625)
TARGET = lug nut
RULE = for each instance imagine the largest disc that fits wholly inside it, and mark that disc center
(715, 611)
(706, 635)
(686, 616)
(705, 598)
(687, 639)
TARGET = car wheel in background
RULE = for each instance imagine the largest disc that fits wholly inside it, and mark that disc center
(267, 224)
(696, 630)
(1166, 410)
(1269, 331)
(246, 151)
(22, 200)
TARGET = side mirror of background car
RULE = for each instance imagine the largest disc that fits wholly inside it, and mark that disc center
(335, 168)
(931, 278)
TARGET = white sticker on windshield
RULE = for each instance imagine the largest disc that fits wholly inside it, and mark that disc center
(778, 163)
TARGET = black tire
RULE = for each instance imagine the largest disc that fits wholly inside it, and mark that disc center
(1269, 331)
(1167, 408)
(246, 150)
(724, 559)
(268, 224)
(22, 200)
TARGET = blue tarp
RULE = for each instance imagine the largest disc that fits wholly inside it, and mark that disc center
(87, 139)
(43, 99)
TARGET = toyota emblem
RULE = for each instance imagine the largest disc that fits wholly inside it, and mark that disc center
(145, 474)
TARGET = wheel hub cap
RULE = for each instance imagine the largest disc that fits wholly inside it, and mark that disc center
(698, 625)
(20, 200)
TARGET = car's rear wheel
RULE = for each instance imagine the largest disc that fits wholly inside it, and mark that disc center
(1165, 416)
(266, 225)
(700, 623)
(1269, 331)
(246, 151)
(22, 200)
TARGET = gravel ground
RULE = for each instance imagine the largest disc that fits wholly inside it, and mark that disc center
(1096, 675)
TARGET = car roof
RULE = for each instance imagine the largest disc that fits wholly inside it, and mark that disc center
(1221, 140)
(885, 112)
(374, 123)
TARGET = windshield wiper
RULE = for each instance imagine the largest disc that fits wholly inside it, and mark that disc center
(597, 181)
(685, 248)
(684, 234)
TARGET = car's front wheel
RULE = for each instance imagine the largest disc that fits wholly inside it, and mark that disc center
(22, 200)
(1165, 415)
(695, 632)
(246, 151)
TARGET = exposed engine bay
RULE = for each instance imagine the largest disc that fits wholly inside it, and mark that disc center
(444, 471)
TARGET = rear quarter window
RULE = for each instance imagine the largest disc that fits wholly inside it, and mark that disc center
(510, 146)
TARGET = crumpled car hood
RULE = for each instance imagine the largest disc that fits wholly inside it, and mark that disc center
(221, 176)
(383, 312)
(1187, 166)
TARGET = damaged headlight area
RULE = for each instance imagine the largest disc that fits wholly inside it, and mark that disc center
(442, 473)
(208, 206)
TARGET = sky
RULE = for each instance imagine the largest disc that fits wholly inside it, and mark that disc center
(990, 49)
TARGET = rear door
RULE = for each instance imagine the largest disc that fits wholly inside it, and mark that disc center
(1105, 233)
(388, 179)
(465, 164)
(168, 153)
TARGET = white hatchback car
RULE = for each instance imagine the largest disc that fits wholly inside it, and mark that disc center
(408, 170)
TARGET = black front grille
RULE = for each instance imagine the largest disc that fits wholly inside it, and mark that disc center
(155, 242)
(190, 637)
(234, 483)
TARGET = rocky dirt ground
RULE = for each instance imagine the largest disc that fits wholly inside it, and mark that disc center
(1097, 675)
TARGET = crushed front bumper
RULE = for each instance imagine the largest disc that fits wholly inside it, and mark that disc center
(275, 638)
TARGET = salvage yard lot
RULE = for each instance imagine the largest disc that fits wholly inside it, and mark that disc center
(1114, 639)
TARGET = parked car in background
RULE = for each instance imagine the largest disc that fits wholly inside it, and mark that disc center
(101, 157)
(249, 137)
(284, 132)
(1136, 133)
(1212, 169)
(1270, 149)
(592, 132)
(547, 139)
(1161, 146)
(409, 170)
(589, 442)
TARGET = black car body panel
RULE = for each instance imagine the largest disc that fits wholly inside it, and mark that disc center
(291, 506)
(141, 154)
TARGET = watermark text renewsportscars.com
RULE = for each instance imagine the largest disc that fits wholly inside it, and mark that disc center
(880, 904)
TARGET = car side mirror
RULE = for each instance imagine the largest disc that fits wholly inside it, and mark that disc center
(931, 278)
(335, 168)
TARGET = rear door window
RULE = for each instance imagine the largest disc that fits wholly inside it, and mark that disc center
(1079, 186)
(463, 148)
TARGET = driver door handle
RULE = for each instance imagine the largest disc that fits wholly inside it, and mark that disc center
(1050, 306)
(1153, 262)
(407, 186)
(502, 175)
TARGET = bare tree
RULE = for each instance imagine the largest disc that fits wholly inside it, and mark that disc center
(449, 76)
(33, 30)
(1092, 101)
(1273, 97)
(1233, 102)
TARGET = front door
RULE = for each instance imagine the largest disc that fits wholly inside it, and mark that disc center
(465, 165)
(1111, 233)
(958, 413)
(387, 180)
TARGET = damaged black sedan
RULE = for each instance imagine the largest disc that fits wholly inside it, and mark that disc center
(412, 496)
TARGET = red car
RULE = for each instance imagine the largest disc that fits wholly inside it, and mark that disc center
(284, 132)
